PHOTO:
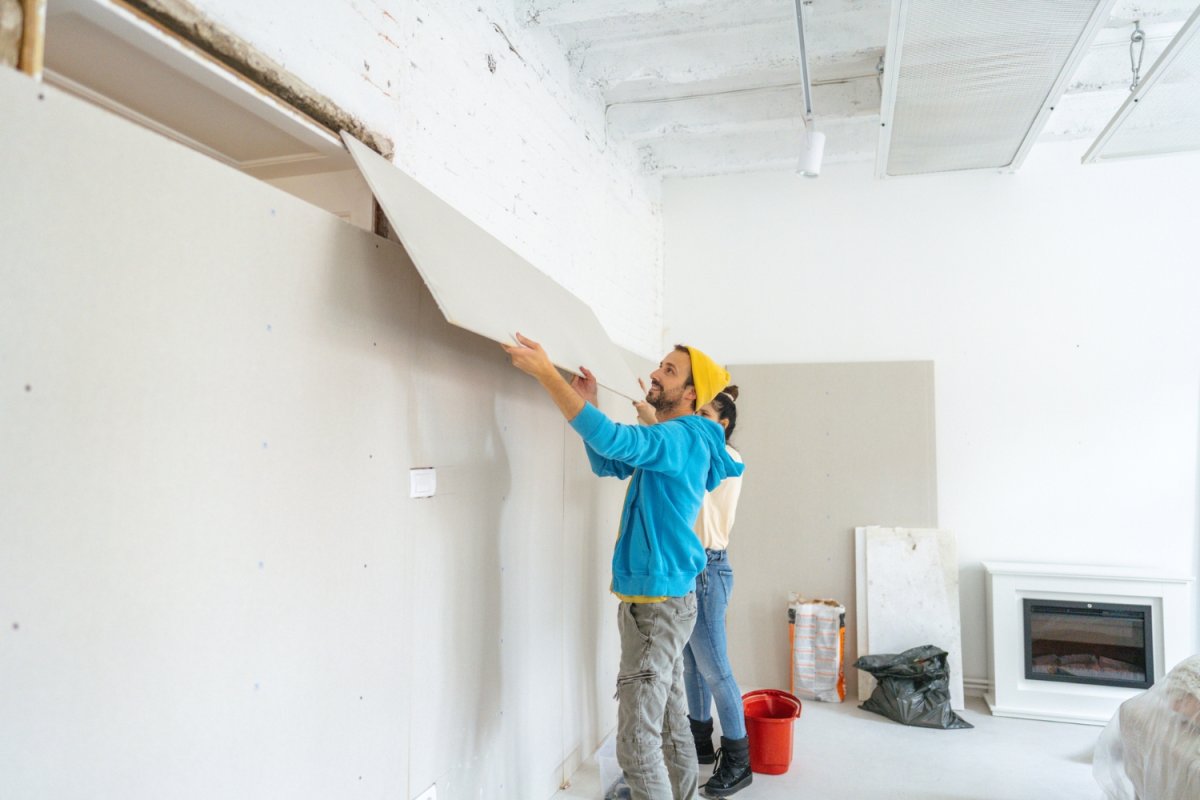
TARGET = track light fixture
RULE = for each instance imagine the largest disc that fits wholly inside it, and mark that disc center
(814, 141)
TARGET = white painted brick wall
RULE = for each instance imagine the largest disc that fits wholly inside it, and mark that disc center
(517, 150)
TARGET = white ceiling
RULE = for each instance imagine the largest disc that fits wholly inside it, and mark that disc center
(696, 87)
(704, 87)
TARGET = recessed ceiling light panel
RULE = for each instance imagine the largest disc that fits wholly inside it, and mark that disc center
(970, 85)
(1162, 115)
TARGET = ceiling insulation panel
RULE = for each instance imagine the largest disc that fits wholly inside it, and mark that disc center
(970, 85)
(1163, 114)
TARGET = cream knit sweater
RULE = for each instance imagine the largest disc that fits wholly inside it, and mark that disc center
(720, 506)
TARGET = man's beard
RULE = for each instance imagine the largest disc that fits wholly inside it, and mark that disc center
(664, 401)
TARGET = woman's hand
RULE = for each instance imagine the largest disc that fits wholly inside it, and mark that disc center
(645, 412)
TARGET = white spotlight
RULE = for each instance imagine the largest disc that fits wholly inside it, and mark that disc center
(814, 143)
(810, 156)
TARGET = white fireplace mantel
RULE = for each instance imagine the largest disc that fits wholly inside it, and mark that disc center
(1009, 584)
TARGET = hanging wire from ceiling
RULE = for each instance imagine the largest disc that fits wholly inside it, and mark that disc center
(1137, 41)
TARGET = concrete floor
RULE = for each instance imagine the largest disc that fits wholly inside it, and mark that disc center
(843, 753)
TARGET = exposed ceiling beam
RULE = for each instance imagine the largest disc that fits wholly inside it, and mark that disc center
(757, 146)
(1126, 11)
(734, 110)
(622, 17)
(717, 60)
(1106, 65)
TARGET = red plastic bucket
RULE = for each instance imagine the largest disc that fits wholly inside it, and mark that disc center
(770, 714)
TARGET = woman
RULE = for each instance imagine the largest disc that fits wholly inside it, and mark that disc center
(707, 674)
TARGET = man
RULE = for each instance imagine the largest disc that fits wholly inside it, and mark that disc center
(657, 556)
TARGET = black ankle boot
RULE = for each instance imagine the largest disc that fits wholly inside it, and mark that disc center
(733, 769)
(702, 733)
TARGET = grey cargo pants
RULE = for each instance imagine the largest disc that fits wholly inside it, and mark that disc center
(654, 741)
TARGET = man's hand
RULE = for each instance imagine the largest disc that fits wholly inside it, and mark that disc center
(645, 412)
(584, 385)
(530, 358)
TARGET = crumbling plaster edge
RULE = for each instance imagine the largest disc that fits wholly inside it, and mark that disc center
(187, 22)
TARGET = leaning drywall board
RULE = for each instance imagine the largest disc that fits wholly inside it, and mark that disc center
(485, 287)
(907, 596)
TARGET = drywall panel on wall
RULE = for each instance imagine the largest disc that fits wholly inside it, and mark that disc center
(482, 285)
(907, 596)
(828, 447)
(203, 555)
(212, 580)
(591, 518)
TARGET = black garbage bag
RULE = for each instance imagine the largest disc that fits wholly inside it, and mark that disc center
(913, 688)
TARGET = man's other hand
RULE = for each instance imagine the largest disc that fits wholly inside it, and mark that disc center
(584, 385)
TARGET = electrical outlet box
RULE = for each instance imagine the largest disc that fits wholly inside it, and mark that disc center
(428, 794)
(422, 482)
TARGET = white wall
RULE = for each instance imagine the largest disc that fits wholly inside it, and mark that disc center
(213, 582)
(1059, 306)
(515, 149)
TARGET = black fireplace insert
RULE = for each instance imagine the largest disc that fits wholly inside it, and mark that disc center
(1097, 643)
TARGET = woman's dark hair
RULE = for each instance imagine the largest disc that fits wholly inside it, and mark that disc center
(726, 406)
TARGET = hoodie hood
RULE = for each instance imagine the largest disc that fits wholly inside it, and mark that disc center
(721, 464)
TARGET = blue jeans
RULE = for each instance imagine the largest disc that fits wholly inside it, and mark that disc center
(707, 675)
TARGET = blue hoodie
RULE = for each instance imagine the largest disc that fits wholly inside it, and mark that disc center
(673, 464)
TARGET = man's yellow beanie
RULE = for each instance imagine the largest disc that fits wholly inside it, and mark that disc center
(708, 378)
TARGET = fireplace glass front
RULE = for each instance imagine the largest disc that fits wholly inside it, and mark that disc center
(1097, 643)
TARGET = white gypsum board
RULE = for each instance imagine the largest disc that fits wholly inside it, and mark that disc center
(481, 285)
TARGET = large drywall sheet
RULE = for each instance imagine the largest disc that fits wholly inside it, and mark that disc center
(828, 448)
(212, 580)
(485, 287)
